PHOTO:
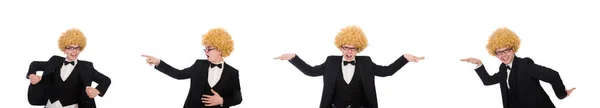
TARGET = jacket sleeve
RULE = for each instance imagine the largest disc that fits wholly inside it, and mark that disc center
(547, 75)
(175, 73)
(102, 80)
(307, 69)
(40, 65)
(486, 78)
(383, 71)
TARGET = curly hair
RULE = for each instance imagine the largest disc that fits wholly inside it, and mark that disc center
(502, 38)
(219, 38)
(351, 35)
(71, 37)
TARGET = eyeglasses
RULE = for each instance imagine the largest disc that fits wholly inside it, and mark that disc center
(73, 48)
(209, 49)
(503, 51)
(349, 48)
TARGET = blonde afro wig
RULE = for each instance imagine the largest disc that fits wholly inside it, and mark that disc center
(501, 38)
(71, 37)
(351, 35)
(219, 38)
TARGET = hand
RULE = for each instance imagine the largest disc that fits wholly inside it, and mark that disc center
(286, 56)
(213, 100)
(472, 60)
(412, 58)
(569, 92)
(151, 60)
(91, 92)
(34, 79)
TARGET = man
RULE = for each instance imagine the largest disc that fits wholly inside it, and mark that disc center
(214, 83)
(66, 82)
(349, 79)
(518, 77)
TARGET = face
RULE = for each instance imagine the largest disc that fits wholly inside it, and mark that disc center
(505, 55)
(212, 54)
(349, 52)
(72, 52)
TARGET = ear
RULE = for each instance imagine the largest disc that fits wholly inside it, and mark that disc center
(218, 51)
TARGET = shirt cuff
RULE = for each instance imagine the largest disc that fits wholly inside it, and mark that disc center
(478, 66)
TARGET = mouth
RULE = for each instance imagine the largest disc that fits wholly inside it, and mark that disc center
(505, 59)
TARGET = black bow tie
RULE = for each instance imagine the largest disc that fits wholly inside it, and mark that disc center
(351, 62)
(72, 63)
(507, 67)
(213, 65)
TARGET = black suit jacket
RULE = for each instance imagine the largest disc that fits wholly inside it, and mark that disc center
(228, 86)
(333, 66)
(38, 94)
(527, 86)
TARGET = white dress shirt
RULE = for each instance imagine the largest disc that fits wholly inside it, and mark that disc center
(508, 74)
(214, 74)
(57, 104)
(348, 71)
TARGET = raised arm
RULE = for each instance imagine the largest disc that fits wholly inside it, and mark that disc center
(168, 69)
(482, 73)
(383, 71)
(486, 78)
(302, 66)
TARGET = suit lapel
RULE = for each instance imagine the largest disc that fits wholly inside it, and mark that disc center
(204, 66)
(503, 71)
(359, 69)
(338, 67)
(85, 75)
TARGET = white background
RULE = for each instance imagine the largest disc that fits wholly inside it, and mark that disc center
(562, 35)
